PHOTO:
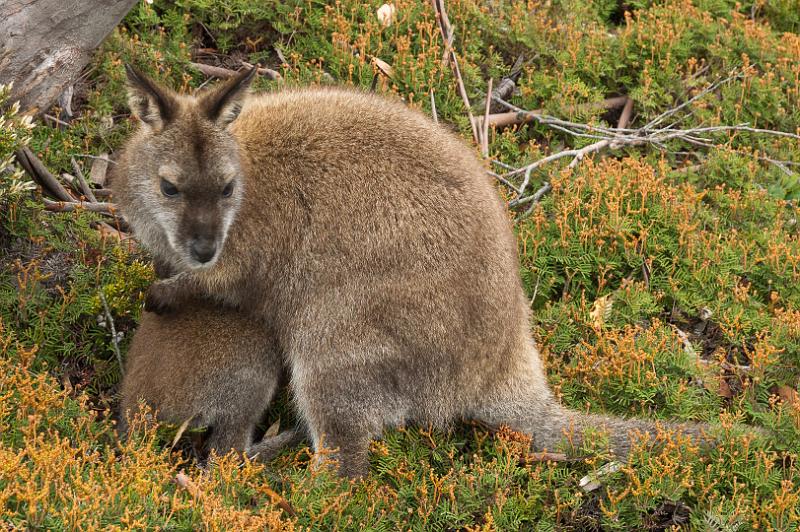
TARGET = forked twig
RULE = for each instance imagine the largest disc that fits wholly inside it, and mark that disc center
(114, 338)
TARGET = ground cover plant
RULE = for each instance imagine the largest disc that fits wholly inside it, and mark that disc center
(664, 275)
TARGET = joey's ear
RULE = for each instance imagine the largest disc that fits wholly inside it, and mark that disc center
(151, 103)
(223, 104)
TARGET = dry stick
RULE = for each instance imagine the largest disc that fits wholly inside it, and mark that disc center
(72, 184)
(537, 197)
(615, 138)
(56, 120)
(670, 112)
(446, 31)
(627, 112)
(114, 339)
(70, 206)
(101, 157)
(42, 175)
(485, 123)
(87, 191)
(521, 116)
(433, 107)
(503, 180)
(274, 75)
(225, 73)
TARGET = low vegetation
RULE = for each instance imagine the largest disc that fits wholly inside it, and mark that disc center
(664, 278)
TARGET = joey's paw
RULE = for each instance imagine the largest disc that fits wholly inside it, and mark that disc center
(156, 300)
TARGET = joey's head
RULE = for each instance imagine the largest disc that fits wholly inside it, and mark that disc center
(179, 180)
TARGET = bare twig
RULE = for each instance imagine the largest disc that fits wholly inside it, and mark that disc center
(537, 457)
(433, 108)
(69, 206)
(537, 197)
(670, 112)
(114, 337)
(485, 122)
(503, 180)
(87, 191)
(505, 89)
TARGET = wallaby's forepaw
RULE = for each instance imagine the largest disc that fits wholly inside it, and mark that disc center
(162, 269)
(157, 299)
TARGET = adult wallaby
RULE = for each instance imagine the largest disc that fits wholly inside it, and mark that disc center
(367, 237)
(213, 366)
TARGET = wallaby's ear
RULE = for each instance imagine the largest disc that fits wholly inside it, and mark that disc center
(223, 104)
(153, 104)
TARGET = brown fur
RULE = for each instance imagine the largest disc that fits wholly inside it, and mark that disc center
(214, 366)
(373, 243)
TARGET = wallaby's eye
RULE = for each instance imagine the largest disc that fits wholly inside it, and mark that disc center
(168, 189)
(228, 190)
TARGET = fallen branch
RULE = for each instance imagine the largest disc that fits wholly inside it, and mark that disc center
(521, 117)
(225, 73)
(42, 175)
(615, 138)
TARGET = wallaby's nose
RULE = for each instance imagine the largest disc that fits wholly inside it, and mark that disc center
(202, 249)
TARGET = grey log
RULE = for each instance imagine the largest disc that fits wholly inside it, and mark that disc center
(44, 44)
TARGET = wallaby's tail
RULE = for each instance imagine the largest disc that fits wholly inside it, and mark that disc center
(526, 404)
(552, 424)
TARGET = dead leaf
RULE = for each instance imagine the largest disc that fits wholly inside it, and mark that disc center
(592, 481)
(183, 480)
(180, 432)
(276, 497)
(724, 389)
(273, 429)
(107, 231)
(385, 68)
(601, 310)
(386, 14)
(97, 174)
(788, 394)
(687, 344)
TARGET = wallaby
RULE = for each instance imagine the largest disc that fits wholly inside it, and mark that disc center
(212, 366)
(368, 238)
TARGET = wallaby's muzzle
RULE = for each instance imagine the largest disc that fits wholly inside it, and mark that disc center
(202, 249)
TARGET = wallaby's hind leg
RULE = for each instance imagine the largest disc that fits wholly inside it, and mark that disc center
(343, 410)
(230, 431)
(238, 408)
(349, 448)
